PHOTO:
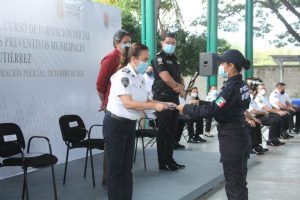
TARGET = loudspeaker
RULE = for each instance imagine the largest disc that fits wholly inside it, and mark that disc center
(208, 64)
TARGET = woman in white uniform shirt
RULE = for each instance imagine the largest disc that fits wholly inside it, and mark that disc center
(128, 97)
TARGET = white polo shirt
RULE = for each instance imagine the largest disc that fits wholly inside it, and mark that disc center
(275, 97)
(126, 81)
(262, 101)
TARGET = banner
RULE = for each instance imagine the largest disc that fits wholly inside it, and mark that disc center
(50, 52)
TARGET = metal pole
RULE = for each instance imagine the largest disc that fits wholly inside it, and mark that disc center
(150, 27)
(143, 18)
(249, 37)
(212, 36)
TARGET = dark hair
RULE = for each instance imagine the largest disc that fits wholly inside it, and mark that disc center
(236, 57)
(119, 35)
(134, 51)
(193, 89)
(246, 65)
(167, 34)
(280, 84)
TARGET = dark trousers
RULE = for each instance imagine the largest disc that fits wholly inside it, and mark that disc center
(167, 124)
(199, 128)
(181, 124)
(297, 114)
(208, 122)
(285, 122)
(274, 122)
(235, 145)
(255, 135)
(119, 137)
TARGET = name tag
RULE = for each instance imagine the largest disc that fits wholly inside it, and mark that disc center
(9, 138)
(169, 62)
(73, 124)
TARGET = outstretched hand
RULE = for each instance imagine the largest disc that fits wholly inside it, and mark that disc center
(180, 109)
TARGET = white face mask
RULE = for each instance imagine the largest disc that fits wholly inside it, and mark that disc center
(194, 94)
(214, 93)
(262, 92)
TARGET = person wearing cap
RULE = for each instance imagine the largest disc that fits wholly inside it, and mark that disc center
(127, 99)
(109, 65)
(166, 87)
(228, 110)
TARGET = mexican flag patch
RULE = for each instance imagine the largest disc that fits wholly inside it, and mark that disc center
(220, 102)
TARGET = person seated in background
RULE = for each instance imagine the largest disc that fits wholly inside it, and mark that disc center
(182, 119)
(277, 100)
(273, 117)
(194, 137)
(211, 96)
(295, 126)
(254, 127)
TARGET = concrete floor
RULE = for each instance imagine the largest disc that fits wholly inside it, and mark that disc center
(276, 175)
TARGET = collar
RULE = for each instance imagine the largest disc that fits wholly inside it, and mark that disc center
(168, 55)
(132, 70)
(235, 78)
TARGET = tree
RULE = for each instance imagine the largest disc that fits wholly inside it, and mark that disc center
(287, 12)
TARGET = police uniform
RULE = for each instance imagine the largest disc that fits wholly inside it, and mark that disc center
(235, 144)
(119, 131)
(272, 120)
(167, 120)
(275, 97)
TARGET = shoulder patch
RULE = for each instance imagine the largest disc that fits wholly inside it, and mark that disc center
(160, 60)
(220, 102)
(126, 70)
(125, 81)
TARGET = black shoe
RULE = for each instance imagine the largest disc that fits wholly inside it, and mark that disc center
(283, 136)
(278, 141)
(173, 162)
(263, 149)
(178, 146)
(258, 151)
(167, 167)
(200, 139)
(272, 143)
(191, 140)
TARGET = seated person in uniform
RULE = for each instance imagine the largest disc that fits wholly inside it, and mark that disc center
(255, 130)
(277, 101)
(195, 137)
(296, 112)
(273, 117)
(211, 96)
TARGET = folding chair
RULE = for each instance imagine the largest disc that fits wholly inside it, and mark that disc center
(12, 143)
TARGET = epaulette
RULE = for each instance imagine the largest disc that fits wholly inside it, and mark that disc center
(126, 70)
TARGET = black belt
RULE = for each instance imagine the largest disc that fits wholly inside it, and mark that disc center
(119, 118)
(230, 126)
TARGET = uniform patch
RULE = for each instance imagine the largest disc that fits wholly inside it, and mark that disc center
(220, 102)
(126, 70)
(125, 81)
(159, 60)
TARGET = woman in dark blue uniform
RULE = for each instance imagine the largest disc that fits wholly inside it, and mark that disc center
(228, 110)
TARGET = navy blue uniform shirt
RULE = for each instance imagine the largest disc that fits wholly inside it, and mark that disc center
(164, 62)
(229, 106)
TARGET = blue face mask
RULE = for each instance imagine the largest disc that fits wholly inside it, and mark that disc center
(169, 48)
(124, 45)
(221, 72)
(141, 68)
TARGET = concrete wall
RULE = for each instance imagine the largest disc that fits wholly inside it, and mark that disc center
(270, 76)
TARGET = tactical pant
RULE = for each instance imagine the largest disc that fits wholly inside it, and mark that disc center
(199, 128)
(167, 124)
(235, 145)
(274, 122)
(119, 136)
(255, 135)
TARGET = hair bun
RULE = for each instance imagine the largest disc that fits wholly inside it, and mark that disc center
(246, 64)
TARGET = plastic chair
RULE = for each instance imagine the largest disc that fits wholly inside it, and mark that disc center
(75, 135)
(12, 144)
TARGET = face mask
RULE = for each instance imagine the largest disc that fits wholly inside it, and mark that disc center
(141, 67)
(169, 48)
(221, 72)
(263, 92)
(124, 45)
(194, 94)
(282, 92)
